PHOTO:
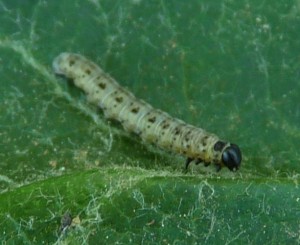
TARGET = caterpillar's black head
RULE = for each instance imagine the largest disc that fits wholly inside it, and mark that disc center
(232, 157)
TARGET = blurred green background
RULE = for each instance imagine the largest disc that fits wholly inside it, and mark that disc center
(230, 67)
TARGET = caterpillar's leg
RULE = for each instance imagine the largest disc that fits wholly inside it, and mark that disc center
(187, 162)
(198, 161)
(218, 168)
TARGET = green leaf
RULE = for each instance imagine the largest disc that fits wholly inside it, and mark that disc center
(230, 67)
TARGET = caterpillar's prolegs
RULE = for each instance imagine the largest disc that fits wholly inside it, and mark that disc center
(188, 161)
(197, 162)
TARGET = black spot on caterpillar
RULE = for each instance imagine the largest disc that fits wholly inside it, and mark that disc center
(152, 125)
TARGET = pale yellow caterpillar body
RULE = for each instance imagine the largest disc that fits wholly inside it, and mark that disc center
(137, 116)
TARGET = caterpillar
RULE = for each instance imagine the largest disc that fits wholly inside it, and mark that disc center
(137, 116)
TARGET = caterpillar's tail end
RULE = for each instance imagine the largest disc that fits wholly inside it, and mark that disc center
(232, 157)
(56, 64)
